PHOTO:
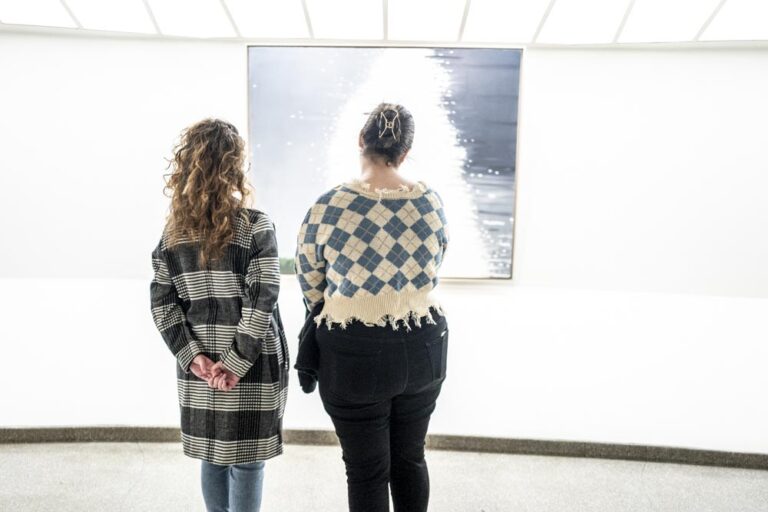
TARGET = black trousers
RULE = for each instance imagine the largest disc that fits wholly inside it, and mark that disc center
(380, 387)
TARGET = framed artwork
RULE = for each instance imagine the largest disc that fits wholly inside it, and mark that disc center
(308, 104)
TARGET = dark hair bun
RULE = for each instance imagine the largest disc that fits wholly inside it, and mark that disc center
(388, 132)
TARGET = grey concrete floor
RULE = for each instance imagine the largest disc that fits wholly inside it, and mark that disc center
(157, 476)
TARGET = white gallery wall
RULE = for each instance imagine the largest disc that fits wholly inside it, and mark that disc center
(86, 126)
(637, 312)
(644, 170)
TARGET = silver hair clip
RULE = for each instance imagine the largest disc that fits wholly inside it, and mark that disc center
(389, 124)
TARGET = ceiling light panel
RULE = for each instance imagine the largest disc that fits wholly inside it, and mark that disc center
(739, 20)
(503, 21)
(346, 19)
(425, 20)
(192, 18)
(654, 21)
(275, 19)
(583, 21)
(48, 13)
(113, 15)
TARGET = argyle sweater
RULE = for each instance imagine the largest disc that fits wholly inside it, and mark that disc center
(372, 255)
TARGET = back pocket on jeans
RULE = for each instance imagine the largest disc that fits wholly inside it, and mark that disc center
(348, 366)
(438, 355)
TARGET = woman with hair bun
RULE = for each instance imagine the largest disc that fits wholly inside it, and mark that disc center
(367, 257)
(214, 301)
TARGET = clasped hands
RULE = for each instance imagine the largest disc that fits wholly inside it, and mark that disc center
(215, 374)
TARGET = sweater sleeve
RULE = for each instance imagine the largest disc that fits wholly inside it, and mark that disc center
(168, 313)
(443, 233)
(262, 286)
(309, 263)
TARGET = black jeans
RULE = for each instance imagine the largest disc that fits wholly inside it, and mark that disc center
(380, 386)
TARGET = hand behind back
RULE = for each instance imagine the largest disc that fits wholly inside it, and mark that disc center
(214, 374)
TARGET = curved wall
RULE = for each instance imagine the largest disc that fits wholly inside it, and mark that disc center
(637, 311)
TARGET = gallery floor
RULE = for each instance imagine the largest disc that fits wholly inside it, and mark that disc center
(121, 477)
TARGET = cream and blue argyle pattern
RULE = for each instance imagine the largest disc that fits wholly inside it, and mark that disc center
(353, 245)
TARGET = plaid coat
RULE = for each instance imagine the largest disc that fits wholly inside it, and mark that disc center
(227, 311)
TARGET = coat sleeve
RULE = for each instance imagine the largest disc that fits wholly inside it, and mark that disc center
(168, 313)
(262, 286)
(309, 263)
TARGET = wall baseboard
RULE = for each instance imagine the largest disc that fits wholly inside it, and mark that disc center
(664, 454)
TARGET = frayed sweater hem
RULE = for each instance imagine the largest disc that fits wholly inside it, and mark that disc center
(381, 311)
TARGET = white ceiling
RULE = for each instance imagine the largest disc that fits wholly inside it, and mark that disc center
(520, 22)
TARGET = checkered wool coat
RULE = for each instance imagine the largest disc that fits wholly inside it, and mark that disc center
(227, 311)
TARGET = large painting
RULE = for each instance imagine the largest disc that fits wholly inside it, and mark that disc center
(308, 104)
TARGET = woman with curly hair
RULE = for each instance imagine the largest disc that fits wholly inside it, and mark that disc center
(214, 301)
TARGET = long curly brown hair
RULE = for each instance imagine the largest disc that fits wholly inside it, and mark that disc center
(207, 170)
